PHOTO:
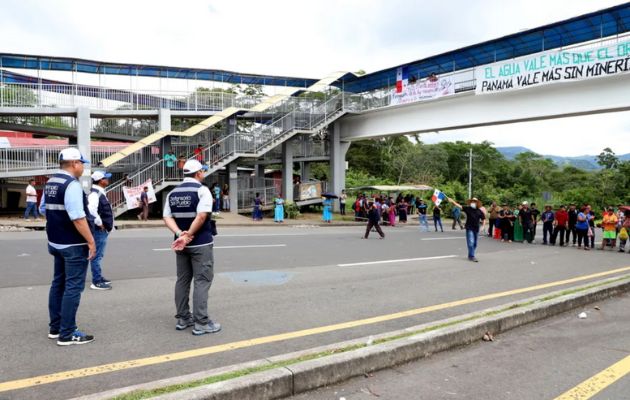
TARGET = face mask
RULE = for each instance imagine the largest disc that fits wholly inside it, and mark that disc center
(473, 205)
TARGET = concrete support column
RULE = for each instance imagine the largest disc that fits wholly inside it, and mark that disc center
(164, 124)
(4, 197)
(338, 150)
(84, 145)
(233, 186)
(287, 171)
(259, 175)
(305, 171)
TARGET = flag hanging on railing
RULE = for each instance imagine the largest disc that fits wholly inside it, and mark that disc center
(437, 197)
(402, 79)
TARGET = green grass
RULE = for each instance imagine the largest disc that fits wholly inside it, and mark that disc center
(146, 394)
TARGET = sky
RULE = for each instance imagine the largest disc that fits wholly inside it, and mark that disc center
(306, 39)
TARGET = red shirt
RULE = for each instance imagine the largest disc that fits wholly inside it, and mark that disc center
(562, 217)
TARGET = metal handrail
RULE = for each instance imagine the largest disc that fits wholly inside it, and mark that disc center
(35, 158)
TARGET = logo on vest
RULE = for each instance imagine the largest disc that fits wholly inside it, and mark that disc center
(180, 201)
(51, 190)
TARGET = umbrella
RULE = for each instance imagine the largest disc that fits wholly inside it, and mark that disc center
(330, 195)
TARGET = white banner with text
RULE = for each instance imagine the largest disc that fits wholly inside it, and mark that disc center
(553, 66)
(428, 89)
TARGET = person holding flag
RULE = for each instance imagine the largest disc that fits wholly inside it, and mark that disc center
(474, 216)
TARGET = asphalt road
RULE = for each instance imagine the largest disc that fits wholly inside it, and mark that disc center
(268, 281)
(543, 360)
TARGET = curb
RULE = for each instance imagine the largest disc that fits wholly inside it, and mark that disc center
(401, 346)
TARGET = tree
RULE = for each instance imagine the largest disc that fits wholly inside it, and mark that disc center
(608, 159)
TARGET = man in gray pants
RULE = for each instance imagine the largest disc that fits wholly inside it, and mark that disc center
(187, 213)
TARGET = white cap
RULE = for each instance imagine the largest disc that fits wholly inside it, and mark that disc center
(525, 203)
(98, 175)
(192, 166)
(72, 154)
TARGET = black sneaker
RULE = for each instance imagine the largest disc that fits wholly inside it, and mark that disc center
(210, 327)
(77, 337)
(101, 286)
(184, 323)
(53, 334)
(105, 280)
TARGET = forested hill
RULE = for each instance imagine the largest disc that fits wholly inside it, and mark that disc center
(586, 162)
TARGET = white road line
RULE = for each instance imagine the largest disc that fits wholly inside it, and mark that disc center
(396, 261)
(237, 247)
(266, 234)
(447, 238)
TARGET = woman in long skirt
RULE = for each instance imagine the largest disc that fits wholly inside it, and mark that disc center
(327, 212)
(278, 214)
(402, 212)
(392, 213)
(518, 227)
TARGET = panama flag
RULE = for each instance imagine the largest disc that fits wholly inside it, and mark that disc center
(438, 197)
(402, 79)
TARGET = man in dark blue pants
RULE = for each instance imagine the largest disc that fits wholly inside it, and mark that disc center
(103, 215)
(474, 216)
(71, 244)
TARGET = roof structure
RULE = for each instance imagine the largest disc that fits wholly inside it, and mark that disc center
(48, 63)
(599, 24)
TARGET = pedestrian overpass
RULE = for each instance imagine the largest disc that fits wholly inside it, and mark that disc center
(569, 68)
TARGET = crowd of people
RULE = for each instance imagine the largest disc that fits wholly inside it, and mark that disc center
(572, 226)
(561, 226)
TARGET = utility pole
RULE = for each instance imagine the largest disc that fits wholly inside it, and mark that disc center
(470, 157)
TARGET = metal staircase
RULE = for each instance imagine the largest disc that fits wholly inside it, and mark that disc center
(253, 144)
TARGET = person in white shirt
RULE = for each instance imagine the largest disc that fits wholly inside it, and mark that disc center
(187, 213)
(101, 210)
(31, 201)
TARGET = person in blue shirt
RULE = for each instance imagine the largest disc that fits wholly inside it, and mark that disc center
(422, 212)
(70, 242)
(216, 191)
(581, 227)
(278, 214)
(457, 217)
(327, 211)
(547, 218)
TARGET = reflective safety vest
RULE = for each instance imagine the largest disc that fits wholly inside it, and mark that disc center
(59, 227)
(183, 202)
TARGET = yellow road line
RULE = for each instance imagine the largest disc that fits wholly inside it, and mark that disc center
(599, 382)
(143, 362)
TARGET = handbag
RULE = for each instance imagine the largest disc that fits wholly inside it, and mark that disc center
(623, 234)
